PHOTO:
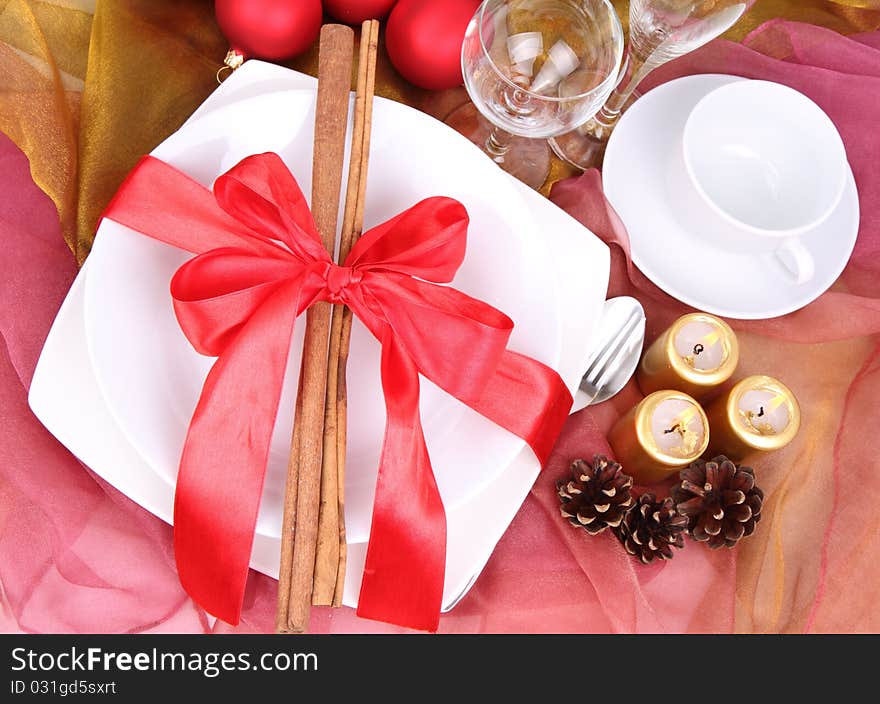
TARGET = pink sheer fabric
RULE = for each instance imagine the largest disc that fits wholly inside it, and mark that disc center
(76, 556)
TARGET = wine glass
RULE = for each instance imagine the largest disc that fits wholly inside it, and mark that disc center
(534, 69)
(659, 31)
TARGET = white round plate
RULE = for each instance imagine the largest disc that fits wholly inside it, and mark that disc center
(686, 266)
(151, 377)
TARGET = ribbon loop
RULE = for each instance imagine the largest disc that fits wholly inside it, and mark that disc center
(259, 263)
(262, 194)
(428, 241)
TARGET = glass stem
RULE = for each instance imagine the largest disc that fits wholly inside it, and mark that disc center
(497, 144)
(604, 121)
(517, 104)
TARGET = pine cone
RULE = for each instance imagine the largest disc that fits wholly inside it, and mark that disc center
(720, 500)
(652, 528)
(597, 496)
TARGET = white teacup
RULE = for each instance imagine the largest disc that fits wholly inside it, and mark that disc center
(764, 165)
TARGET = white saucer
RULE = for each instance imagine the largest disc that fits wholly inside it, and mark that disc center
(689, 268)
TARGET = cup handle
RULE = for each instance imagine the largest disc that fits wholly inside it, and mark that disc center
(796, 260)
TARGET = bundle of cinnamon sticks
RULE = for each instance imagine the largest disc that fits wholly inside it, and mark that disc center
(313, 545)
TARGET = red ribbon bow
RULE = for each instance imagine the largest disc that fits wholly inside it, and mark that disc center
(260, 263)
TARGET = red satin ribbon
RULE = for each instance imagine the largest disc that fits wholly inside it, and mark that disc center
(260, 263)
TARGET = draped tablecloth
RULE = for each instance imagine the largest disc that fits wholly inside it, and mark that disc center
(86, 88)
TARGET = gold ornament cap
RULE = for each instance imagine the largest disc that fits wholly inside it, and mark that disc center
(233, 61)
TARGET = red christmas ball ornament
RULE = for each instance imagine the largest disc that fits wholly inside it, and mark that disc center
(356, 11)
(269, 29)
(424, 40)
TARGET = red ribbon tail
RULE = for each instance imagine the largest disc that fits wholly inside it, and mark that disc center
(223, 464)
(529, 399)
(406, 556)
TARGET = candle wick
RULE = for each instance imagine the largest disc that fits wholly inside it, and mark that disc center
(751, 420)
(688, 437)
(699, 348)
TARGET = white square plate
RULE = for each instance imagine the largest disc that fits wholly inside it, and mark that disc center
(77, 414)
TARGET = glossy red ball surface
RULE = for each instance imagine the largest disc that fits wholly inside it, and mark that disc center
(424, 40)
(269, 29)
(356, 11)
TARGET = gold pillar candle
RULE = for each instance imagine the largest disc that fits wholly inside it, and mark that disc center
(758, 414)
(695, 355)
(664, 433)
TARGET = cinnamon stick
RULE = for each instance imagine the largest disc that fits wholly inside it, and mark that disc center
(345, 247)
(340, 333)
(331, 524)
(300, 523)
(288, 519)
